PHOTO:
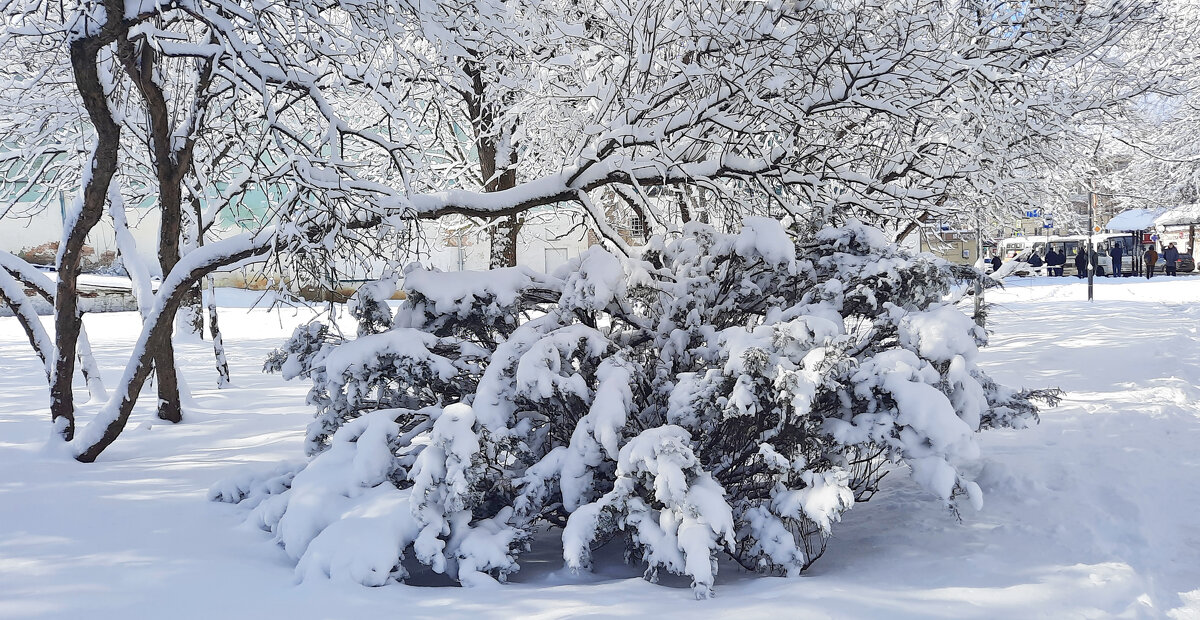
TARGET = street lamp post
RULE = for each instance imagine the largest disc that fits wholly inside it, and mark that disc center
(1047, 224)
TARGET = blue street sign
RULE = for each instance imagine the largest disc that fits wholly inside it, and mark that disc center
(1034, 213)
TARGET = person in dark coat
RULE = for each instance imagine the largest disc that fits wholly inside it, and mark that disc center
(996, 262)
(1035, 261)
(1097, 266)
(1115, 253)
(1081, 261)
(1149, 257)
(1055, 262)
(1170, 259)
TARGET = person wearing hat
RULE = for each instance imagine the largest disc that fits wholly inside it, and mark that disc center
(1170, 258)
(1149, 257)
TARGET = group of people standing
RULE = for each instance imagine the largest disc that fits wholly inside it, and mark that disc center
(1055, 261)
(1170, 256)
(1082, 258)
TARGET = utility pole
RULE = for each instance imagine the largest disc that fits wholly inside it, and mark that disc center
(978, 280)
(1091, 256)
(978, 238)
(1047, 224)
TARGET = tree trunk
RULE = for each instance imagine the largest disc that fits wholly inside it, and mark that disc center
(26, 275)
(91, 371)
(163, 349)
(503, 231)
(497, 167)
(503, 237)
(110, 421)
(139, 61)
(169, 406)
(89, 209)
(191, 313)
(190, 319)
(223, 379)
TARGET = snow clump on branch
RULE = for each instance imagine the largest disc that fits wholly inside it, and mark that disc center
(723, 394)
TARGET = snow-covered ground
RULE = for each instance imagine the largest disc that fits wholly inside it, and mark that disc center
(1091, 514)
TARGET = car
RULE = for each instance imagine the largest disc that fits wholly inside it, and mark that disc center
(1185, 263)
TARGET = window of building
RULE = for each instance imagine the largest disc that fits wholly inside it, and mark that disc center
(637, 228)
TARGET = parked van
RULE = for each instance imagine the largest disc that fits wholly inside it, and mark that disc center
(1131, 250)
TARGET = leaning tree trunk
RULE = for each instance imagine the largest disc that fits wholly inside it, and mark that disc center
(89, 208)
(32, 279)
(111, 420)
(12, 294)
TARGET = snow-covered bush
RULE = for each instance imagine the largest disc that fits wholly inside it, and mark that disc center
(724, 393)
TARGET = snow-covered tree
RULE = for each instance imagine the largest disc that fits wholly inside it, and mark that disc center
(1153, 141)
(832, 108)
(883, 110)
(157, 77)
(724, 394)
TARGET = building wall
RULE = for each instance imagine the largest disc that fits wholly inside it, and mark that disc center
(547, 240)
(954, 246)
(42, 229)
(1181, 235)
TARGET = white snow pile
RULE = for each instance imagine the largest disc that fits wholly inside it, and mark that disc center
(725, 394)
